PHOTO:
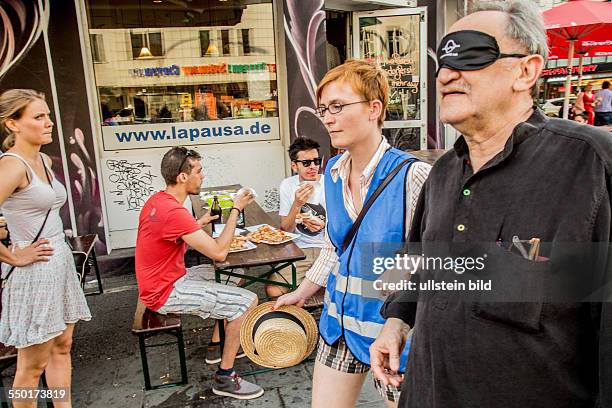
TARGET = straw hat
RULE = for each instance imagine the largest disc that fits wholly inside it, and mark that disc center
(278, 339)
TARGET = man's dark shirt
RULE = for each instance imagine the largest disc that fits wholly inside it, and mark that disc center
(552, 181)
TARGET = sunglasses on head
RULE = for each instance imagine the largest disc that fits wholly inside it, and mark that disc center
(187, 153)
(307, 163)
(469, 50)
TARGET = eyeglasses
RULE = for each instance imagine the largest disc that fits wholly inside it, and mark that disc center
(188, 153)
(307, 163)
(334, 108)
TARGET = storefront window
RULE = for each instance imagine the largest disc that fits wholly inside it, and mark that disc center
(393, 42)
(169, 62)
(152, 41)
(97, 47)
(205, 44)
(246, 42)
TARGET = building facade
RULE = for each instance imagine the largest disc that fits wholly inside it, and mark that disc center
(233, 79)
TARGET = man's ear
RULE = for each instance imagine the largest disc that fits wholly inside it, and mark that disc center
(530, 70)
(375, 109)
(294, 167)
(181, 178)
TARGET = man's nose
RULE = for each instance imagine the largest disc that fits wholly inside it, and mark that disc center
(446, 75)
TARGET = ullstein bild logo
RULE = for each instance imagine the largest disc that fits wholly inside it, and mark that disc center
(449, 47)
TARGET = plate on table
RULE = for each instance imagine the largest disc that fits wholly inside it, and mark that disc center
(267, 234)
(240, 244)
(220, 227)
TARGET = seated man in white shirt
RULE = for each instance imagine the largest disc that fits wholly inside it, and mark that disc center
(302, 209)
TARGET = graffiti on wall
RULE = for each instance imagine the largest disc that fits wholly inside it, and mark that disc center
(132, 183)
(22, 25)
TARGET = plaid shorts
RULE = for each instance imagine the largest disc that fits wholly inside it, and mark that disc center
(197, 293)
(339, 357)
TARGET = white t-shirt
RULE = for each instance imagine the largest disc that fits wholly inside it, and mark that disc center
(316, 205)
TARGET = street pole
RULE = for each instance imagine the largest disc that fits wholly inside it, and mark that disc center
(580, 71)
(568, 80)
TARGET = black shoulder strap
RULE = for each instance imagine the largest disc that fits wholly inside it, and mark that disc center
(45, 167)
(373, 197)
(41, 227)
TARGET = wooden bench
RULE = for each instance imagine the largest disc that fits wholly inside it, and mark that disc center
(150, 324)
(83, 250)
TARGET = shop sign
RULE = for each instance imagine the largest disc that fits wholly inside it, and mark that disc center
(155, 71)
(146, 136)
(243, 68)
(227, 68)
(204, 69)
(400, 72)
(563, 70)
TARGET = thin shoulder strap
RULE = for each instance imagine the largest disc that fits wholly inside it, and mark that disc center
(47, 170)
(355, 227)
(29, 168)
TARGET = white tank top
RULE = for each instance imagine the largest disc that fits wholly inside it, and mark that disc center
(25, 210)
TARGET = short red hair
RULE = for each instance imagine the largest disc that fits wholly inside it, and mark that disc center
(366, 78)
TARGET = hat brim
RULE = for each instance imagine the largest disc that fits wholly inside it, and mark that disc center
(246, 331)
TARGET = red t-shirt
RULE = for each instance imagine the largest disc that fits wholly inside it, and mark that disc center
(160, 251)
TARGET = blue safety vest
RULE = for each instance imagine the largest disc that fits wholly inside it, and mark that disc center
(347, 312)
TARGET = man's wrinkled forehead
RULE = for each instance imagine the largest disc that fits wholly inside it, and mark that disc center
(490, 22)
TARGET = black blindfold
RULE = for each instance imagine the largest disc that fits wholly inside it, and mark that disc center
(469, 50)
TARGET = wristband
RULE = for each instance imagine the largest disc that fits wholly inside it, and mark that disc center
(236, 208)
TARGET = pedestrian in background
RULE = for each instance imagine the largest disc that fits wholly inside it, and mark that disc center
(603, 105)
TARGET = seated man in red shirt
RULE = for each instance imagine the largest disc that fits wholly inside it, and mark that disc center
(165, 229)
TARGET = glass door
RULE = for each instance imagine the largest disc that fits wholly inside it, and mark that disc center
(396, 40)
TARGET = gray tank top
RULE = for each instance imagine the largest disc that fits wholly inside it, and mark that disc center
(25, 210)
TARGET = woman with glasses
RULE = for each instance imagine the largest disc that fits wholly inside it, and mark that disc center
(352, 99)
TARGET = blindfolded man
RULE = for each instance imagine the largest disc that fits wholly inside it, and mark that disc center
(512, 173)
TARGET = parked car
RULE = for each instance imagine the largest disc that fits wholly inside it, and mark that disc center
(552, 107)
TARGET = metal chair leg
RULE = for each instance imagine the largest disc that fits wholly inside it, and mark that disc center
(97, 269)
(145, 363)
(181, 349)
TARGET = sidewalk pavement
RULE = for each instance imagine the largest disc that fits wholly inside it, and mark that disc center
(107, 370)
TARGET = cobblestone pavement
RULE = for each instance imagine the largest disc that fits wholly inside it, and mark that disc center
(108, 372)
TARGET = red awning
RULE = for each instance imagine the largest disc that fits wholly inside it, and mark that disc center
(588, 23)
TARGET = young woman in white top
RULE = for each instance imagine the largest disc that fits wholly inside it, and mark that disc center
(41, 301)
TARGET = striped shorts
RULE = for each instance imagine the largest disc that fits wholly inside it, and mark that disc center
(339, 357)
(198, 294)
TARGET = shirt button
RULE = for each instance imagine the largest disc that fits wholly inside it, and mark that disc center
(460, 227)
(467, 192)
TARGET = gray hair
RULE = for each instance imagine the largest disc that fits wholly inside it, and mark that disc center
(525, 24)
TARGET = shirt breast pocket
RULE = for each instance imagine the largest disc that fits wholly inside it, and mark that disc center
(518, 291)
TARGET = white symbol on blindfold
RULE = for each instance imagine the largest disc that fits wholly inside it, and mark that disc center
(450, 46)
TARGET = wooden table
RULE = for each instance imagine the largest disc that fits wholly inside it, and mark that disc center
(276, 257)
